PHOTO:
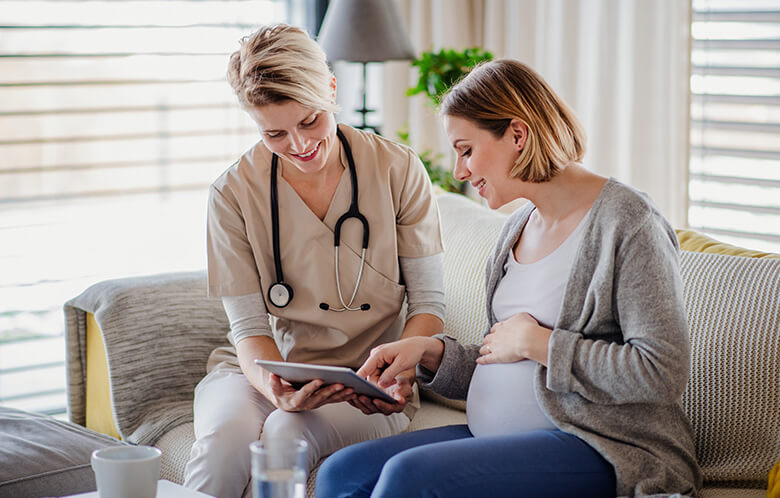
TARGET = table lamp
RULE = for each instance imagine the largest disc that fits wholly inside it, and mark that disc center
(364, 31)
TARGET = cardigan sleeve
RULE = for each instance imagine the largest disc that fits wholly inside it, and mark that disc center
(651, 364)
(453, 377)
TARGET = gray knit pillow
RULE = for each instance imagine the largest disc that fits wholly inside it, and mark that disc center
(733, 396)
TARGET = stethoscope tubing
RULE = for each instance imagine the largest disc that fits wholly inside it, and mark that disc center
(280, 293)
(348, 307)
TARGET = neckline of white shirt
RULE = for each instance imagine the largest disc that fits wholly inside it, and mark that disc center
(573, 238)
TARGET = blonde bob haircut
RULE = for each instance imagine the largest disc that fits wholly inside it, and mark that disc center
(496, 92)
(277, 63)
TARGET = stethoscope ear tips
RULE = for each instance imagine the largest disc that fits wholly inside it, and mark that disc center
(365, 307)
(324, 306)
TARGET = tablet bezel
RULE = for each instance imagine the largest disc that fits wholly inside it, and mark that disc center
(301, 373)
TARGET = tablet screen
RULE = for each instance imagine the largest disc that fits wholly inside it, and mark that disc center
(301, 373)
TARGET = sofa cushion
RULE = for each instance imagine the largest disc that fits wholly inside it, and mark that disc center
(733, 396)
(43, 456)
(175, 446)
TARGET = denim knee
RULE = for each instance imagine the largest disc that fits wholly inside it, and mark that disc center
(403, 475)
(339, 475)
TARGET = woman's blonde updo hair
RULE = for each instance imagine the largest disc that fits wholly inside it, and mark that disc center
(496, 92)
(278, 63)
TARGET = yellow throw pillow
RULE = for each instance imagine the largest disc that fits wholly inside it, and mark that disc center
(100, 415)
(773, 490)
(691, 240)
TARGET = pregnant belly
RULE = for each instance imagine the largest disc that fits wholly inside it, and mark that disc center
(501, 400)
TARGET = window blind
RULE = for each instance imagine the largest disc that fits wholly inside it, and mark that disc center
(114, 119)
(734, 185)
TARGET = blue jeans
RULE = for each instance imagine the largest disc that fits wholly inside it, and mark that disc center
(450, 462)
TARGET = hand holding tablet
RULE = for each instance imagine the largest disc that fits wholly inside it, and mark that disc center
(301, 373)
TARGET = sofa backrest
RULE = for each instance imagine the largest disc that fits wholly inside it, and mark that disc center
(733, 307)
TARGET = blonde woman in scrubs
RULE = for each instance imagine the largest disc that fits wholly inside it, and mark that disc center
(282, 80)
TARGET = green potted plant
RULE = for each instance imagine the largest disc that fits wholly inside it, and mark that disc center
(438, 72)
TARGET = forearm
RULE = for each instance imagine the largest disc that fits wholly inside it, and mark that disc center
(424, 325)
(261, 347)
(539, 346)
(432, 355)
(419, 329)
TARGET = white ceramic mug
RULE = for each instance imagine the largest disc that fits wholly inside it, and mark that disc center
(127, 471)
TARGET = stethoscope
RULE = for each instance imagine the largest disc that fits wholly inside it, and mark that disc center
(280, 293)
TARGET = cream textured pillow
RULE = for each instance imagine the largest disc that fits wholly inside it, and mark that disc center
(469, 231)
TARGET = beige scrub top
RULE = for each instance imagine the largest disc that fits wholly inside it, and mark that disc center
(395, 196)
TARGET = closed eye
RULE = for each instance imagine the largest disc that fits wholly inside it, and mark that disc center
(311, 122)
(466, 152)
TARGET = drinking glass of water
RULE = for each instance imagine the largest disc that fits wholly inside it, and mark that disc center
(279, 468)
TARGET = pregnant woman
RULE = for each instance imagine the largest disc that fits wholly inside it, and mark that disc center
(575, 390)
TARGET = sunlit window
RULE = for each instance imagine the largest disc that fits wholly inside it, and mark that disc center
(114, 119)
(735, 122)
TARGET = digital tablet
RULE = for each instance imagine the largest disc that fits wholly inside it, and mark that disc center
(298, 374)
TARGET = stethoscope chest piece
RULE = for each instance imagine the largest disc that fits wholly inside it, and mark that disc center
(280, 294)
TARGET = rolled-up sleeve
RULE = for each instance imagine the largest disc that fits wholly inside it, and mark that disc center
(424, 278)
(248, 317)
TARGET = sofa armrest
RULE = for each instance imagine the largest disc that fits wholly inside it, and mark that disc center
(158, 332)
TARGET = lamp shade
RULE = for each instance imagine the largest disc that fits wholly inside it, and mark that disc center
(364, 31)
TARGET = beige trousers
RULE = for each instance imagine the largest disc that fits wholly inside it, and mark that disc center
(230, 414)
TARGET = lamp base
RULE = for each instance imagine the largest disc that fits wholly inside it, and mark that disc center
(365, 110)
(364, 125)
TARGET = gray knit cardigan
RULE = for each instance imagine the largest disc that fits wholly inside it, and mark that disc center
(619, 356)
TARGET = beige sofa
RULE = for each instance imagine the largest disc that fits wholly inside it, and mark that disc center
(158, 331)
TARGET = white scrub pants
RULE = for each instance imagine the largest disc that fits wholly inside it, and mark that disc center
(230, 414)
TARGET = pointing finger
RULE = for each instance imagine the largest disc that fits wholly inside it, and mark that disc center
(372, 366)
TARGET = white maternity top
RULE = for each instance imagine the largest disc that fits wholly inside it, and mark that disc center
(501, 398)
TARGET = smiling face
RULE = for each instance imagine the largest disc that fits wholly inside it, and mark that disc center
(484, 160)
(305, 137)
